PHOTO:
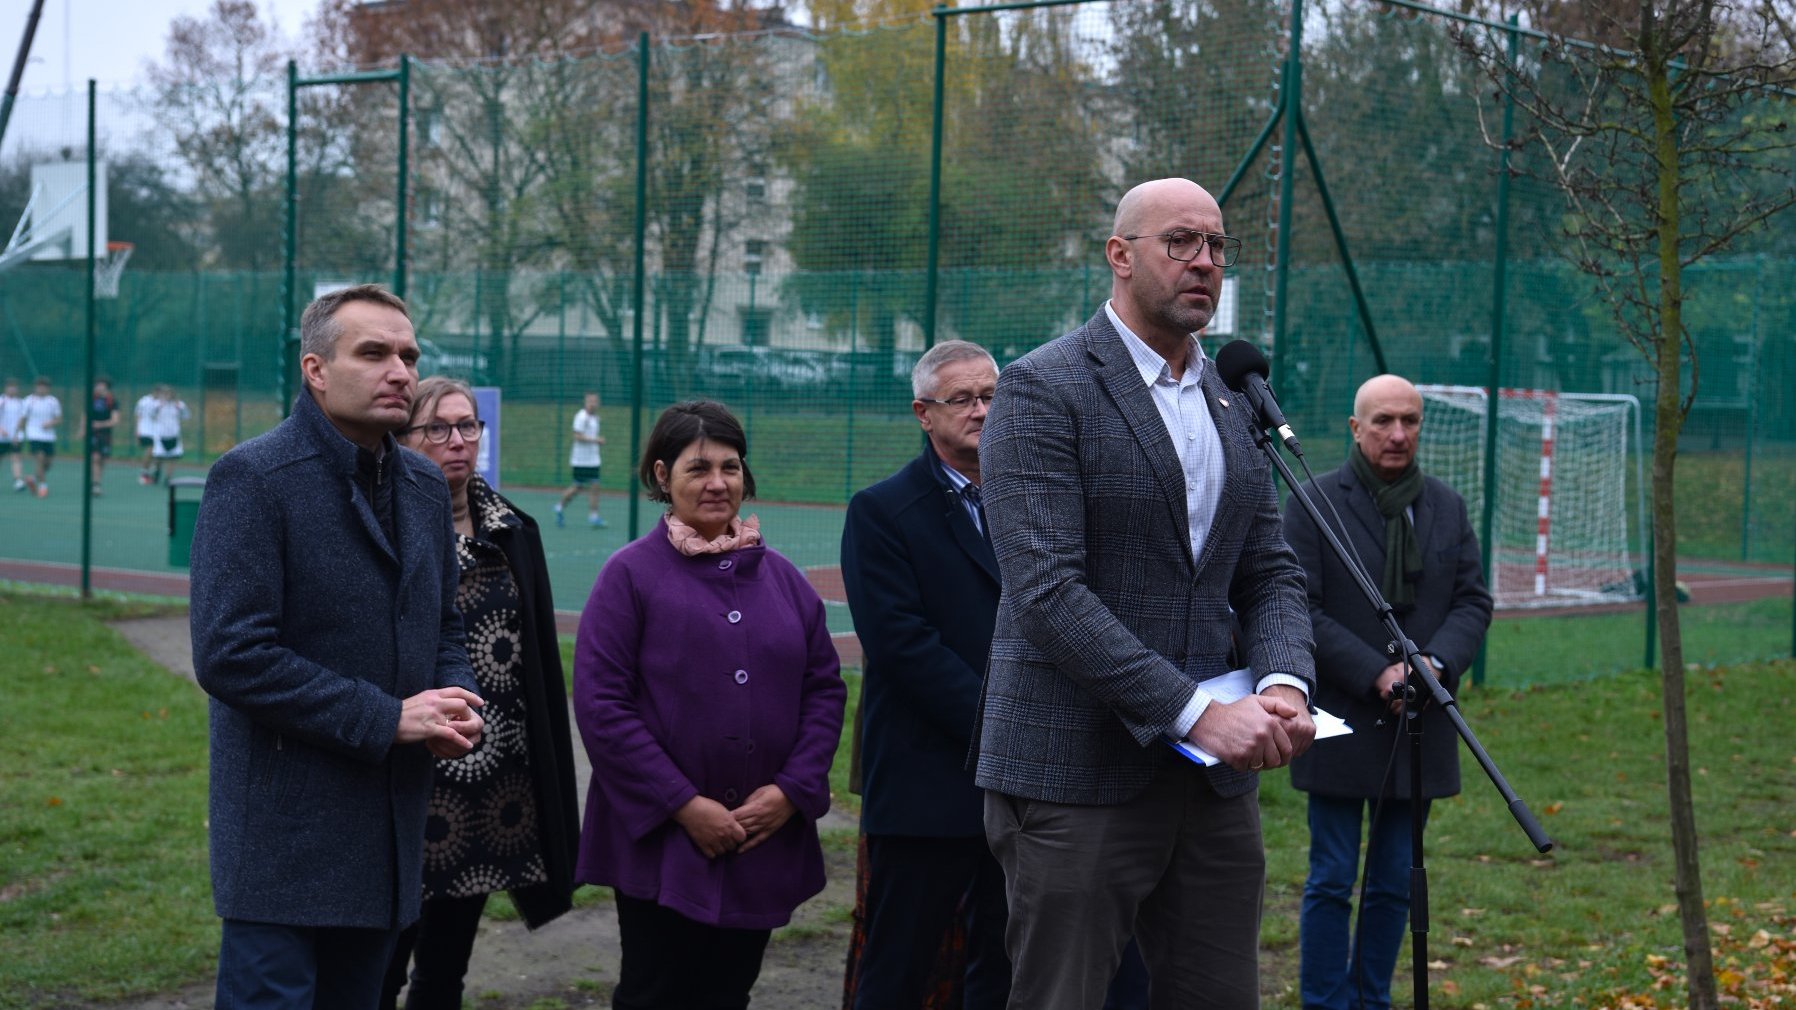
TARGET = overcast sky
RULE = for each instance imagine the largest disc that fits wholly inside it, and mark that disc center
(109, 40)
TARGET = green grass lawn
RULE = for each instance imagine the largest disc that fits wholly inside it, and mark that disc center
(103, 884)
(1584, 920)
(1526, 651)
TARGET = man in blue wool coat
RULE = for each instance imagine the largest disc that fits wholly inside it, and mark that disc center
(325, 630)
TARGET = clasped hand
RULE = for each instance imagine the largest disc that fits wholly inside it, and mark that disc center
(443, 719)
(1257, 732)
(716, 829)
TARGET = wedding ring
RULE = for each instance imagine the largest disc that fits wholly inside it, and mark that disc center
(1256, 766)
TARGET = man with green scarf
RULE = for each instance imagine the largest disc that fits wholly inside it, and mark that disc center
(1412, 533)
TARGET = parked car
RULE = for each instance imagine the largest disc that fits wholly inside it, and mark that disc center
(736, 367)
(433, 359)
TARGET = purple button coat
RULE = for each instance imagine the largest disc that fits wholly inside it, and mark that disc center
(711, 675)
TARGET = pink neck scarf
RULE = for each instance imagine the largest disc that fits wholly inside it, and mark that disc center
(690, 542)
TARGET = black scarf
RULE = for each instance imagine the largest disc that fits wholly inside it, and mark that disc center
(1402, 553)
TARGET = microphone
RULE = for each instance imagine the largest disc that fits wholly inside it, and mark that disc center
(1244, 369)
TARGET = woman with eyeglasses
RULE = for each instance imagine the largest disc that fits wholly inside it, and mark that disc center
(503, 817)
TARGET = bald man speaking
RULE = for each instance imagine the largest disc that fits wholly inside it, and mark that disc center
(1412, 532)
(1130, 511)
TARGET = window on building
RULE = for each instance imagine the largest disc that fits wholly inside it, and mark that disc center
(754, 253)
(757, 326)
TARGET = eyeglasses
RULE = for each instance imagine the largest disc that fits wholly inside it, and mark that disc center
(1182, 244)
(961, 404)
(438, 431)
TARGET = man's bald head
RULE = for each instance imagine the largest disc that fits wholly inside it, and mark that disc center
(1152, 199)
(1386, 424)
(1380, 388)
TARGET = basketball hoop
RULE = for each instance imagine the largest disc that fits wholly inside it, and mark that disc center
(108, 268)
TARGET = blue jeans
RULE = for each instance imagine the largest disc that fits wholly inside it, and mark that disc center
(264, 966)
(1325, 940)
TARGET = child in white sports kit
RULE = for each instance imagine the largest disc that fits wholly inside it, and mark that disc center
(12, 420)
(43, 412)
(145, 412)
(583, 460)
(165, 426)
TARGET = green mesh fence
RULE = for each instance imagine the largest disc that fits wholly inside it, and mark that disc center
(787, 240)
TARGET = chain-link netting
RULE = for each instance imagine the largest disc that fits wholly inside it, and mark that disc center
(786, 239)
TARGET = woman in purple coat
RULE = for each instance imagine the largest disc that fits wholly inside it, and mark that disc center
(708, 696)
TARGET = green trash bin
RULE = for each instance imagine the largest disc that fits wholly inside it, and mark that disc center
(182, 514)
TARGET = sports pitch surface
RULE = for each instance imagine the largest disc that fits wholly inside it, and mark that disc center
(40, 541)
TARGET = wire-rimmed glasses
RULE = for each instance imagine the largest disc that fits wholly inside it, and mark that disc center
(438, 431)
(1182, 244)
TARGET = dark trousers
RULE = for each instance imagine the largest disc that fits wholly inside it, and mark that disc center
(263, 966)
(1343, 966)
(914, 886)
(1128, 989)
(1177, 866)
(671, 962)
(442, 940)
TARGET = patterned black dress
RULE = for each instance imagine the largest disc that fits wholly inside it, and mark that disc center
(482, 834)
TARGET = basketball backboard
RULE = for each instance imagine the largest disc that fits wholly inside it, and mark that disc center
(58, 210)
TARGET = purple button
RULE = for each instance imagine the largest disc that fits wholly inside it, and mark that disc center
(741, 676)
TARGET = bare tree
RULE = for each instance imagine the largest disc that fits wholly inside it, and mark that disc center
(217, 97)
(1669, 142)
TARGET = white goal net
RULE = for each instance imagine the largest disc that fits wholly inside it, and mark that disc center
(1563, 533)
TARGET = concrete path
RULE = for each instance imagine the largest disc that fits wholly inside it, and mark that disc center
(575, 958)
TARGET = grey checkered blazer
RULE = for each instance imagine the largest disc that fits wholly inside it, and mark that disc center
(1105, 619)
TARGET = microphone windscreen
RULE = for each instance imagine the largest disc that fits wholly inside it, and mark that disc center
(1237, 360)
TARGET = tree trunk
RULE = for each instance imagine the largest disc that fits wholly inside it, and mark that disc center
(1668, 421)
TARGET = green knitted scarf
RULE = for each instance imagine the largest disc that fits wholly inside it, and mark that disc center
(1402, 553)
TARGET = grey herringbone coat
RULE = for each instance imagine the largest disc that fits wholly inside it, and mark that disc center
(1106, 620)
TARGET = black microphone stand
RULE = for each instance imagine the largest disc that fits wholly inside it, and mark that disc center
(1421, 683)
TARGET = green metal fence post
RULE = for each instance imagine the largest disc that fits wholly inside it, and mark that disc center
(854, 327)
(399, 198)
(288, 364)
(1499, 308)
(87, 391)
(642, 188)
(1752, 407)
(1291, 97)
(561, 365)
(1340, 236)
(935, 178)
(202, 328)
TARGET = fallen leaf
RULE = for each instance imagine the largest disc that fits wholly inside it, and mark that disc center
(1553, 808)
(1462, 941)
(1492, 961)
(1760, 940)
